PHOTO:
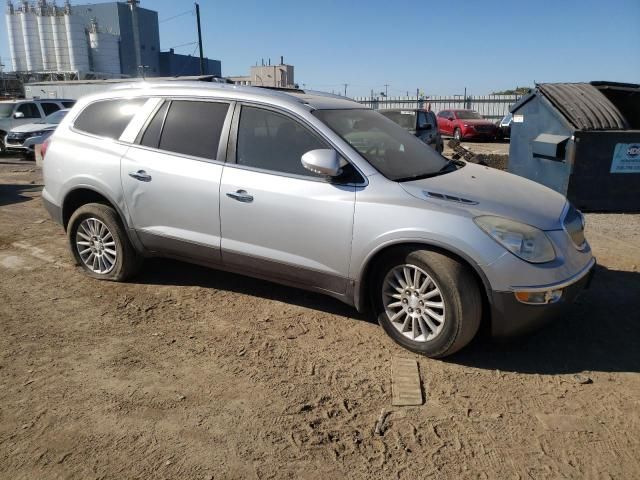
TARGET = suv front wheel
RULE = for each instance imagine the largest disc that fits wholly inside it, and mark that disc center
(100, 245)
(427, 302)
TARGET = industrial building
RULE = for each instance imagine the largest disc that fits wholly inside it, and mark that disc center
(268, 75)
(93, 41)
(173, 65)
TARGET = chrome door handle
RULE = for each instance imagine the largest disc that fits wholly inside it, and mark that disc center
(141, 175)
(241, 196)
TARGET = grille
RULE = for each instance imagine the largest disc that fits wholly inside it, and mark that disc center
(573, 224)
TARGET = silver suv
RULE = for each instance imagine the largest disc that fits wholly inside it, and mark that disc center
(317, 192)
(14, 113)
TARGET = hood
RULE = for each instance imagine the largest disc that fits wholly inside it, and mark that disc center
(487, 191)
(34, 127)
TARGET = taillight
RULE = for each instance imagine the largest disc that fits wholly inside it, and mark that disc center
(44, 147)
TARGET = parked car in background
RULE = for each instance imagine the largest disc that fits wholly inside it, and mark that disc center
(315, 192)
(14, 113)
(504, 127)
(466, 125)
(422, 123)
(24, 138)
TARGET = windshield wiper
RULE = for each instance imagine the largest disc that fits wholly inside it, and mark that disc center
(446, 168)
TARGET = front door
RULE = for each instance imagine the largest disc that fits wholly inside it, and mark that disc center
(171, 179)
(279, 220)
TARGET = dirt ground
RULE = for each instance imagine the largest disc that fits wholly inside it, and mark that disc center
(191, 373)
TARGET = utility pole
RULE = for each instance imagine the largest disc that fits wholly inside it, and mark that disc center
(345, 88)
(200, 38)
(386, 89)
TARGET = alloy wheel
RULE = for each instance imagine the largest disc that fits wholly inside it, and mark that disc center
(413, 303)
(96, 246)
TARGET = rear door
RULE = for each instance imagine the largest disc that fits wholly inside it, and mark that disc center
(171, 178)
(279, 220)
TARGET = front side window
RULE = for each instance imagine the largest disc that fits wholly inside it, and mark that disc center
(191, 128)
(108, 118)
(30, 110)
(274, 142)
(68, 104)
(389, 148)
(49, 107)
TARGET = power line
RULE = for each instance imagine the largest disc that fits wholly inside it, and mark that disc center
(176, 16)
(184, 44)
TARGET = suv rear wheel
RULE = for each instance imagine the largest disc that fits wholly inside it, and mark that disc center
(427, 302)
(100, 245)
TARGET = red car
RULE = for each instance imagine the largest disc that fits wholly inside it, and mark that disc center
(466, 124)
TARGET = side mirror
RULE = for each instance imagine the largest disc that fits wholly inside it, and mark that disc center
(322, 161)
(18, 115)
(451, 119)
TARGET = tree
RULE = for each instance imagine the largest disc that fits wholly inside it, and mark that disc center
(515, 91)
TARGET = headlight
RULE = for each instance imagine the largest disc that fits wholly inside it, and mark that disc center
(527, 242)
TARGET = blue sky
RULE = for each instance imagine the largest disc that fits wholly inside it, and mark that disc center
(439, 47)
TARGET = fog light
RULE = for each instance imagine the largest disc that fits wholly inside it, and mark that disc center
(539, 298)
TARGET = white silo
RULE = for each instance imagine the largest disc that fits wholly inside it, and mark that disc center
(105, 50)
(76, 41)
(33, 55)
(45, 34)
(16, 40)
(59, 34)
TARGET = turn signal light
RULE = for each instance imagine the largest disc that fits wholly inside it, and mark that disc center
(539, 298)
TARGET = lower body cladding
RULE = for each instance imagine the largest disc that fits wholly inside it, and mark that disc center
(520, 312)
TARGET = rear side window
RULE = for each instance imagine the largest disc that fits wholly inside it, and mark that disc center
(108, 118)
(275, 142)
(425, 119)
(49, 108)
(151, 137)
(192, 128)
(68, 104)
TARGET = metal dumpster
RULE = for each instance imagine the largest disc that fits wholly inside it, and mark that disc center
(582, 140)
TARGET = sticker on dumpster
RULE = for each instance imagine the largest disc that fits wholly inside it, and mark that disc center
(518, 119)
(626, 158)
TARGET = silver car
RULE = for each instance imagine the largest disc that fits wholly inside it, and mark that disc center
(23, 139)
(316, 192)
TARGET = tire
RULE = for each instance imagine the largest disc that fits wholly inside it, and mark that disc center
(457, 134)
(125, 263)
(459, 294)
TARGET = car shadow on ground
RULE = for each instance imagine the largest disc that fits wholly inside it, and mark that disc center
(10, 194)
(600, 332)
(159, 271)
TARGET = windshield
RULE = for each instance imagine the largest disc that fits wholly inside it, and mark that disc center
(6, 109)
(406, 118)
(56, 117)
(468, 115)
(388, 147)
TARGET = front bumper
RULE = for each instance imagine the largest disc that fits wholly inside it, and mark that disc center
(510, 318)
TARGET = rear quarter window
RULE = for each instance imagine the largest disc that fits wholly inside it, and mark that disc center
(108, 118)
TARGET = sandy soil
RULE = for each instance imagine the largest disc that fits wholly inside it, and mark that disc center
(192, 373)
